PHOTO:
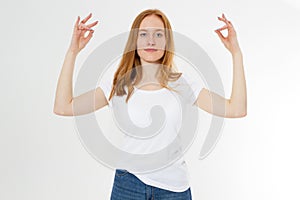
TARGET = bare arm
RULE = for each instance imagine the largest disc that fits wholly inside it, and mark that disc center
(64, 89)
(64, 100)
(236, 106)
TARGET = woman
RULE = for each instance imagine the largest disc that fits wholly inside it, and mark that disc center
(146, 68)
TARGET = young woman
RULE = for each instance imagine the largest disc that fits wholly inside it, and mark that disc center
(144, 72)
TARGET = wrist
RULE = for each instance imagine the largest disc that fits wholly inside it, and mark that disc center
(72, 52)
(237, 52)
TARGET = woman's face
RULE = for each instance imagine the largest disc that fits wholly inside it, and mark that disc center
(151, 39)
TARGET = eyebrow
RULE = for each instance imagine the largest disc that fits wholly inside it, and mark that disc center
(158, 29)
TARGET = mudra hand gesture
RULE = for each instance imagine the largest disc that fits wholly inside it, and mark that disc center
(230, 42)
(78, 41)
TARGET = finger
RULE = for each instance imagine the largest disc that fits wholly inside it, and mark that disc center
(81, 26)
(223, 15)
(90, 35)
(76, 23)
(92, 24)
(222, 28)
(220, 35)
(83, 31)
(229, 22)
(87, 18)
(84, 27)
(224, 20)
(220, 18)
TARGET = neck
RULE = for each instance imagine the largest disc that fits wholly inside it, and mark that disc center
(149, 73)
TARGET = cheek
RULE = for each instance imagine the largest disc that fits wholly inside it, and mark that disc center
(160, 53)
(161, 44)
(140, 52)
(141, 44)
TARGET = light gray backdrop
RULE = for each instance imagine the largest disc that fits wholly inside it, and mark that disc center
(256, 157)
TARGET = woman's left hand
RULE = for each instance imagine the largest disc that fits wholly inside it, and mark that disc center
(230, 41)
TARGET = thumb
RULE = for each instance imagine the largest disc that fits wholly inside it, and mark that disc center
(90, 35)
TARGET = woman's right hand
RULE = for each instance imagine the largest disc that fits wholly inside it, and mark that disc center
(78, 41)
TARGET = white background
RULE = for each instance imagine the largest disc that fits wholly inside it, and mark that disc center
(256, 157)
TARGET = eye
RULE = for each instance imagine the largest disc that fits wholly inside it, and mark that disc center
(159, 35)
(143, 34)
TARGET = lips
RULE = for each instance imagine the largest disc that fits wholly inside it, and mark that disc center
(150, 50)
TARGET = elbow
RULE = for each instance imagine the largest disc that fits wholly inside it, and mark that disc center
(59, 111)
(64, 109)
(244, 113)
(238, 111)
(241, 113)
(237, 115)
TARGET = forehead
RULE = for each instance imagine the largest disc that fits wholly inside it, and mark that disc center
(152, 21)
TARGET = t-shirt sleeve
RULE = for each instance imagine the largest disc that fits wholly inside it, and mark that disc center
(106, 86)
(195, 84)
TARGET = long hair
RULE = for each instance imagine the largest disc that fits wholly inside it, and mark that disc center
(128, 72)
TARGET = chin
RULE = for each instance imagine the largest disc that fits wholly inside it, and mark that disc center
(152, 60)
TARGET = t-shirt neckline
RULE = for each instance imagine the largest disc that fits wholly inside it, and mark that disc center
(149, 91)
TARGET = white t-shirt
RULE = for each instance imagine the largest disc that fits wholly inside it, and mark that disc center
(174, 177)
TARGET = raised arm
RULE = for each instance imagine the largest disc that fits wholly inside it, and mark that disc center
(236, 106)
(64, 99)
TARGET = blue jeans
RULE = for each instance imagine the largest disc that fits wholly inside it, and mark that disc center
(127, 186)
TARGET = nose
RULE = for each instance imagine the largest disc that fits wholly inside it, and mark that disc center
(151, 40)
